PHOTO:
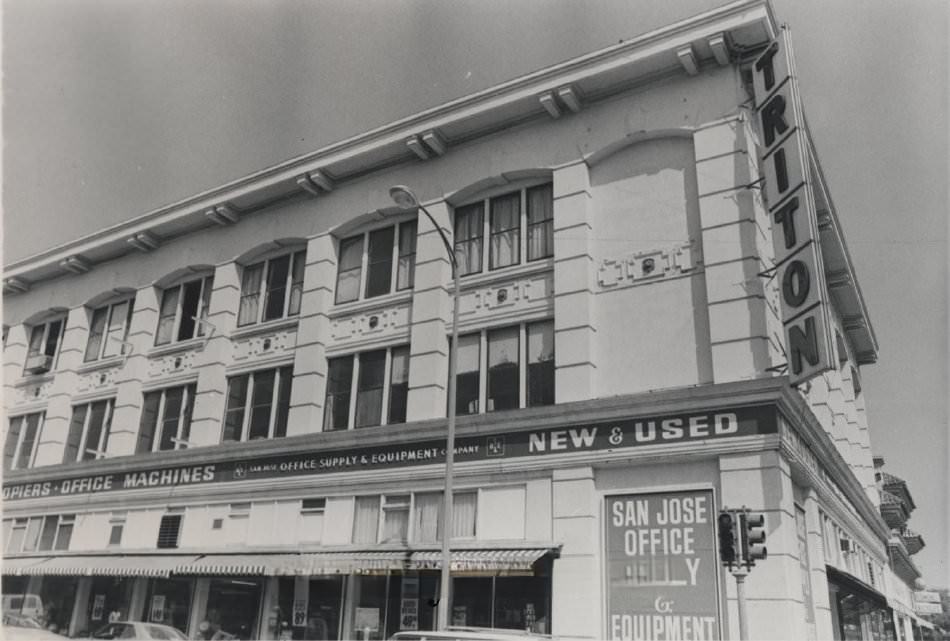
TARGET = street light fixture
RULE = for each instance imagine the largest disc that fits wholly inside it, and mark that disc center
(405, 199)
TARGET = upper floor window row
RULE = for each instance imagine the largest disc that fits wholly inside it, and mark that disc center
(519, 223)
(377, 262)
(38, 533)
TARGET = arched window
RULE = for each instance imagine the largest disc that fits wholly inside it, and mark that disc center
(376, 262)
(109, 318)
(46, 334)
(272, 282)
(185, 300)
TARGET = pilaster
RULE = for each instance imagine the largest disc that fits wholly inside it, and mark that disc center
(211, 362)
(52, 437)
(818, 576)
(731, 217)
(575, 327)
(14, 358)
(313, 327)
(431, 316)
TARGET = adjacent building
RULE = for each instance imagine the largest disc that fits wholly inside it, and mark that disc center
(230, 412)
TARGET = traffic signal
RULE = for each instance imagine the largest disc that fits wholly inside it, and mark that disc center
(727, 539)
(754, 540)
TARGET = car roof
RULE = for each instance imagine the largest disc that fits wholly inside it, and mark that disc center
(471, 634)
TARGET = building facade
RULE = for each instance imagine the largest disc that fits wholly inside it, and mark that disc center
(231, 412)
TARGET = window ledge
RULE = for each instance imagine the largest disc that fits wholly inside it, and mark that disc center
(34, 379)
(471, 281)
(265, 327)
(174, 348)
(369, 304)
(103, 363)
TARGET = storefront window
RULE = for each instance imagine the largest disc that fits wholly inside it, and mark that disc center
(58, 595)
(109, 600)
(233, 606)
(321, 620)
(168, 601)
(510, 602)
(369, 615)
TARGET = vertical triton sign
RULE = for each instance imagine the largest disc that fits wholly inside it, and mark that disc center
(662, 569)
(785, 164)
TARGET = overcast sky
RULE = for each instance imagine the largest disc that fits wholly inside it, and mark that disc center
(114, 108)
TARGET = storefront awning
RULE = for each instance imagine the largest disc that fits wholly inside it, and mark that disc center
(295, 564)
(855, 586)
(480, 560)
(154, 565)
(18, 566)
(354, 562)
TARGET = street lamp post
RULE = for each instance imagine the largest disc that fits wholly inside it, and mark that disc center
(405, 199)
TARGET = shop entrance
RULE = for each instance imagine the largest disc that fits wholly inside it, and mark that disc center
(387, 603)
(168, 601)
(510, 602)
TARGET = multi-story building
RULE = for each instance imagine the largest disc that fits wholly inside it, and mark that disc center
(232, 410)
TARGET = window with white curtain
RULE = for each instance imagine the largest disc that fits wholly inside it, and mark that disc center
(377, 380)
(108, 330)
(519, 224)
(395, 518)
(366, 519)
(427, 516)
(258, 405)
(501, 382)
(182, 310)
(272, 288)
(387, 264)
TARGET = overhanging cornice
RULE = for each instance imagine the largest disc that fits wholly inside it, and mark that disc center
(747, 23)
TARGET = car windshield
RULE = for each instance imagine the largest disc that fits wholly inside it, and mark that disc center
(115, 631)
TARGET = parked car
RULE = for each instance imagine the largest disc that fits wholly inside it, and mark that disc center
(21, 626)
(137, 630)
(459, 633)
(29, 604)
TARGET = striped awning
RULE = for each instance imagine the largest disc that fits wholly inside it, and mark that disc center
(295, 564)
(153, 565)
(480, 560)
(17, 566)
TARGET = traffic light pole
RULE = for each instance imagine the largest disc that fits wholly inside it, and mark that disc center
(740, 574)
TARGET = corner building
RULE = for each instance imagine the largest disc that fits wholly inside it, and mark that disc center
(232, 410)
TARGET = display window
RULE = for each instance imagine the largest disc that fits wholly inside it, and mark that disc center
(509, 602)
(58, 596)
(313, 613)
(168, 601)
(232, 609)
(109, 600)
(386, 604)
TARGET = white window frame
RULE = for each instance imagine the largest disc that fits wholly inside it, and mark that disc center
(106, 337)
(364, 261)
(305, 511)
(20, 523)
(354, 387)
(44, 342)
(410, 505)
(275, 399)
(207, 281)
(99, 450)
(64, 519)
(160, 414)
(41, 421)
(485, 200)
(385, 505)
(297, 253)
(414, 538)
(483, 400)
(116, 520)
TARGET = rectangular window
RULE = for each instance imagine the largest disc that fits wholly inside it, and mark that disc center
(395, 518)
(505, 230)
(427, 516)
(89, 430)
(258, 405)
(169, 529)
(17, 535)
(64, 531)
(336, 410)
(44, 344)
(407, 255)
(310, 525)
(166, 419)
(279, 282)
(467, 378)
(504, 384)
(236, 531)
(22, 439)
(379, 267)
(540, 222)
(369, 389)
(469, 223)
(181, 309)
(366, 519)
(540, 383)
(33, 528)
(116, 528)
(398, 385)
(503, 369)
(390, 260)
(373, 382)
(349, 274)
(48, 535)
